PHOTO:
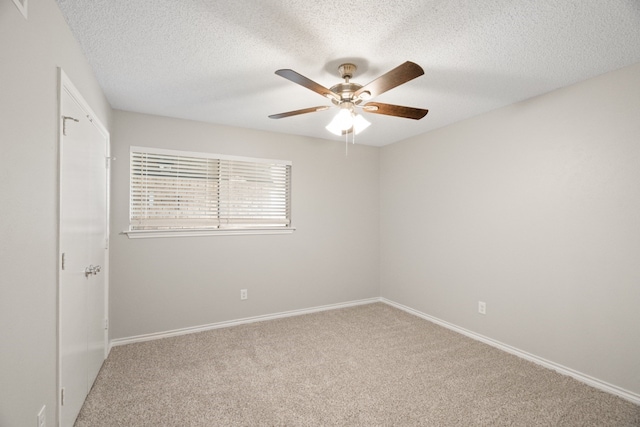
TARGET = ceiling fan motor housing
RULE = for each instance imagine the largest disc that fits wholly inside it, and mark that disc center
(346, 71)
(345, 91)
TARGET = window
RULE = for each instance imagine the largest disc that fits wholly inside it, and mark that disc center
(177, 193)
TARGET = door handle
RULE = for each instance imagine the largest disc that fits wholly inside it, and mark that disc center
(92, 270)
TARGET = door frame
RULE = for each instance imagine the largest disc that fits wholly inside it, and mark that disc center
(66, 86)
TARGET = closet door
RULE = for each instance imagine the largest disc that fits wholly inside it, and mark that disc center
(83, 241)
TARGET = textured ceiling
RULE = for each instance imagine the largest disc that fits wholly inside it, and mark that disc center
(214, 61)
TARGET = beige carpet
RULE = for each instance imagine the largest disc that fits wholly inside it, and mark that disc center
(371, 365)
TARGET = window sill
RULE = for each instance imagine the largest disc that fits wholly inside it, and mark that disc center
(150, 234)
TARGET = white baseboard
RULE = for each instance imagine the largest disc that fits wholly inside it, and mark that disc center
(229, 323)
(594, 382)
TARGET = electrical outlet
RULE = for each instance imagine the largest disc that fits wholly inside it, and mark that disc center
(243, 294)
(482, 307)
(42, 417)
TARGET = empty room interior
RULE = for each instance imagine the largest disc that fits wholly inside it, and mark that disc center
(290, 213)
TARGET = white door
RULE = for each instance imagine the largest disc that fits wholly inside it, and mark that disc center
(83, 248)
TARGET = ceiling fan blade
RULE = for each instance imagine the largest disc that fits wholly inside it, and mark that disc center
(395, 110)
(296, 112)
(308, 83)
(399, 75)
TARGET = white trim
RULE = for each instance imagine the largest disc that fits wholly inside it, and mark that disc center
(229, 323)
(67, 86)
(589, 380)
(148, 234)
(200, 154)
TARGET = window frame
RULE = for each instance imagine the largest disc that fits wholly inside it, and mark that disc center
(181, 230)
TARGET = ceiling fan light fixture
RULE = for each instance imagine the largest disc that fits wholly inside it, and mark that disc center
(340, 122)
(346, 96)
(353, 123)
(360, 124)
(344, 118)
(333, 129)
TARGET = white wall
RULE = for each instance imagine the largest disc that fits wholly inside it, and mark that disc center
(534, 209)
(30, 52)
(169, 283)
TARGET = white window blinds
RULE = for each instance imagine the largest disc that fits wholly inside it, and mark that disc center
(177, 190)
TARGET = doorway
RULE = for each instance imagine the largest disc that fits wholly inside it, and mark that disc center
(83, 239)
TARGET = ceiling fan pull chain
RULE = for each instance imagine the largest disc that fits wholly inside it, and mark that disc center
(346, 145)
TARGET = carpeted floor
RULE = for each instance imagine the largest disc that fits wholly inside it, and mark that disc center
(370, 365)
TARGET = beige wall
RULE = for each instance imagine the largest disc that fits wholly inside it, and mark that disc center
(533, 209)
(163, 284)
(30, 52)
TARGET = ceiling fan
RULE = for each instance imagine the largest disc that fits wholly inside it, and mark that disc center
(348, 95)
